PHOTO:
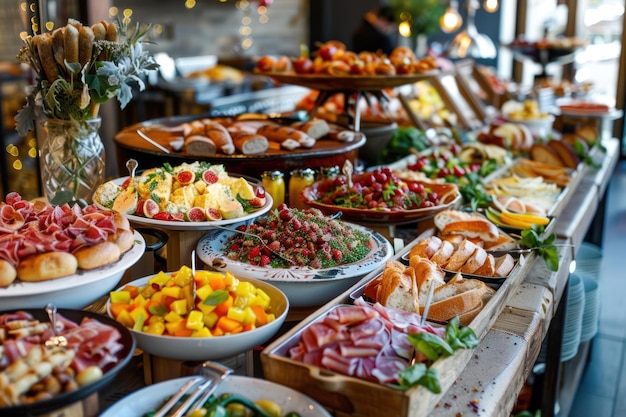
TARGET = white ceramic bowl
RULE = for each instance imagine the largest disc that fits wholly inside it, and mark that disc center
(151, 397)
(304, 287)
(75, 291)
(216, 347)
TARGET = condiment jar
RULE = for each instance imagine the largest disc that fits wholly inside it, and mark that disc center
(300, 179)
(328, 173)
(274, 184)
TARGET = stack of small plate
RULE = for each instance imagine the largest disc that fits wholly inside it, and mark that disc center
(572, 326)
(591, 312)
(588, 260)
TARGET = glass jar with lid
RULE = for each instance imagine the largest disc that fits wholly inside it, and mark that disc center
(274, 184)
(300, 179)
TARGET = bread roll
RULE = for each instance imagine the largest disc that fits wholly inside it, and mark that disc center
(220, 136)
(99, 31)
(456, 298)
(478, 228)
(315, 128)
(541, 152)
(124, 239)
(250, 143)
(7, 273)
(427, 273)
(92, 257)
(278, 133)
(200, 145)
(46, 266)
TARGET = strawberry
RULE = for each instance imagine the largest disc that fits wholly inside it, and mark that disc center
(337, 254)
(265, 260)
(254, 253)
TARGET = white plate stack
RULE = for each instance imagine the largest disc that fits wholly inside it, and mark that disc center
(588, 260)
(572, 327)
(592, 309)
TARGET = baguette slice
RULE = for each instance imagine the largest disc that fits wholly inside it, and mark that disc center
(475, 261)
(426, 273)
(460, 256)
(504, 265)
(566, 152)
(457, 297)
(425, 248)
(488, 268)
(541, 152)
(444, 253)
(398, 288)
(476, 228)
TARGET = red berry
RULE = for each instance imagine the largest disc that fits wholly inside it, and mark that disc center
(265, 260)
(337, 254)
(254, 252)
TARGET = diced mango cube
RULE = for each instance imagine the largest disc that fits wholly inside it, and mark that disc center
(137, 312)
(203, 332)
(262, 299)
(157, 328)
(120, 296)
(204, 291)
(245, 288)
(206, 309)
(183, 276)
(125, 319)
(174, 327)
(179, 307)
(235, 313)
(172, 317)
(159, 279)
(249, 316)
(175, 291)
(210, 319)
(195, 320)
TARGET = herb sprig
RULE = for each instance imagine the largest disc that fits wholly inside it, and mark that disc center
(531, 238)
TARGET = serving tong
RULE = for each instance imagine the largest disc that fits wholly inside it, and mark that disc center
(55, 339)
(525, 251)
(198, 390)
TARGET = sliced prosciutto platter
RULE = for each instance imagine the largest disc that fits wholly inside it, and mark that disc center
(97, 349)
(365, 348)
(53, 253)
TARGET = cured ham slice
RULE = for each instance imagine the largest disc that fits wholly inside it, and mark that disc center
(32, 228)
(362, 340)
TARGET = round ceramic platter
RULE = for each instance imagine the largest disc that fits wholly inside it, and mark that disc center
(304, 287)
(56, 402)
(176, 225)
(151, 397)
(75, 291)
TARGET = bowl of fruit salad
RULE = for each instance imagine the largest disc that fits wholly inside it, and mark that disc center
(221, 316)
(380, 196)
(308, 255)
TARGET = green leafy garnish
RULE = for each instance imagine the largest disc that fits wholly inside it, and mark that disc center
(216, 297)
(531, 238)
(434, 347)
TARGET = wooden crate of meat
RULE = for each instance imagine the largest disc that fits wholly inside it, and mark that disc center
(351, 396)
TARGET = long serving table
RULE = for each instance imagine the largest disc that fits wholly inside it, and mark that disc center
(492, 380)
(532, 316)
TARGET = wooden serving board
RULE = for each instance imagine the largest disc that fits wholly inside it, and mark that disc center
(350, 396)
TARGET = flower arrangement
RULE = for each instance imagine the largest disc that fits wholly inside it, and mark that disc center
(79, 67)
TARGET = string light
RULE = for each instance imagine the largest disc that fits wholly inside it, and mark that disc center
(491, 5)
(451, 20)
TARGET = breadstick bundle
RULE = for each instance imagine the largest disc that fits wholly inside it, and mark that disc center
(64, 51)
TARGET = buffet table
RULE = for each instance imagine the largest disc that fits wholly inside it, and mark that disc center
(532, 313)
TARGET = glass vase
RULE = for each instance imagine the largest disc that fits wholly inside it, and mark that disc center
(72, 160)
